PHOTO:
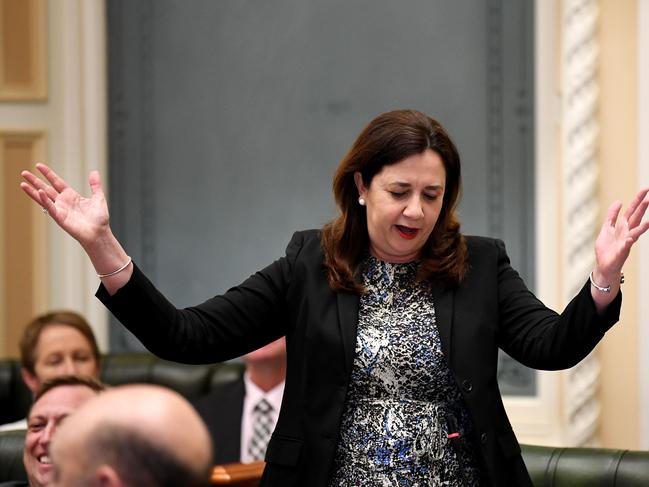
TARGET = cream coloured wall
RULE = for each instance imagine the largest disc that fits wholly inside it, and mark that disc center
(643, 256)
(619, 391)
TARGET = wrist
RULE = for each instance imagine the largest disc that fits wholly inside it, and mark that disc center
(106, 254)
(605, 282)
(102, 243)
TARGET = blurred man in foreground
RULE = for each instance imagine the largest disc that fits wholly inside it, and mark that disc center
(132, 436)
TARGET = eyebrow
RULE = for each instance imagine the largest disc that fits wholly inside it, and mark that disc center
(41, 417)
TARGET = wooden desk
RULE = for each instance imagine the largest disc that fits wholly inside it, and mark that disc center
(238, 474)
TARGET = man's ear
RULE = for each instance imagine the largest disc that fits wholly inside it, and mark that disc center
(360, 186)
(31, 381)
(105, 476)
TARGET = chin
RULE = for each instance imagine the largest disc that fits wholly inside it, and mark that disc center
(411, 252)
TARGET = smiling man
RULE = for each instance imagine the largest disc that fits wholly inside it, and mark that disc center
(56, 399)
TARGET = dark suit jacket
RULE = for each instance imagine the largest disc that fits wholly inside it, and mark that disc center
(222, 410)
(492, 308)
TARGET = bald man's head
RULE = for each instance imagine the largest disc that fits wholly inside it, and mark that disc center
(131, 436)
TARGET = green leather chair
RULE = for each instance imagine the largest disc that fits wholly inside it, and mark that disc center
(11, 456)
(122, 368)
(586, 467)
(189, 380)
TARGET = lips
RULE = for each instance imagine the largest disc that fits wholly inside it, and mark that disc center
(407, 232)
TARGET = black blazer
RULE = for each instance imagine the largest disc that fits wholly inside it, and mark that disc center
(222, 410)
(492, 308)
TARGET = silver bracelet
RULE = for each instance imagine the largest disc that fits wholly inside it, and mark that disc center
(606, 289)
(117, 271)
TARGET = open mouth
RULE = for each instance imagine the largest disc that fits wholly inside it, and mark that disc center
(407, 232)
(44, 459)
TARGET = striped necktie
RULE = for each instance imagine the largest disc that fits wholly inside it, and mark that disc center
(262, 427)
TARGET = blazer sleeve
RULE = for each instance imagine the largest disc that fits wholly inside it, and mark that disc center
(243, 319)
(539, 337)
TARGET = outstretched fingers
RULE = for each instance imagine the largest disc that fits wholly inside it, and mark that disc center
(612, 213)
(637, 208)
(40, 196)
(32, 185)
(31, 192)
(637, 231)
(36, 189)
(47, 203)
(95, 183)
(57, 183)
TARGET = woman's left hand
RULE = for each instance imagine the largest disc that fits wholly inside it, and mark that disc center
(615, 240)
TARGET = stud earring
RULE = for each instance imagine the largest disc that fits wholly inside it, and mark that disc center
(361, 201)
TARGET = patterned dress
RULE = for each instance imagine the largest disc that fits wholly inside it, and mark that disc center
(402, 399)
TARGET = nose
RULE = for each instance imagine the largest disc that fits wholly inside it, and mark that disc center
(69, 367)
(47, 434)
(414, 209)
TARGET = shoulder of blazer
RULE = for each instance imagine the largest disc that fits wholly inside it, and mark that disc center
(475, 242)
(305, 243)
(485, 251)
(307, 237)
(480, 247)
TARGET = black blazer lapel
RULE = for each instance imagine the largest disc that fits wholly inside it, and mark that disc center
(444, 301)
(348, 322)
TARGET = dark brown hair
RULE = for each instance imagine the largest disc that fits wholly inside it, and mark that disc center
(68, 380)
(388, 139)
(34, 328)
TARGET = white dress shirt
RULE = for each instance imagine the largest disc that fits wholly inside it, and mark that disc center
(17, 425)
(253, 395)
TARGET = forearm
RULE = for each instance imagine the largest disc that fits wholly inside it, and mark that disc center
(243, 319)
(107, 256)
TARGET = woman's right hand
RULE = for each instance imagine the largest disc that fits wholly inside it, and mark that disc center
(85, 219)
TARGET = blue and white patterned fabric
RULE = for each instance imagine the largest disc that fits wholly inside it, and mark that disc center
(402, 396)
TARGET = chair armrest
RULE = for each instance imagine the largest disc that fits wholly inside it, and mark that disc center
(556, 467)
(239, 474)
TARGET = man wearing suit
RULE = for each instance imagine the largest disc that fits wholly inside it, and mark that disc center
(232, 411)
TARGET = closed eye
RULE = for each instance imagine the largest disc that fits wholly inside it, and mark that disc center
(397, 194)
(53, 359)
(35, 426)
(82, 357)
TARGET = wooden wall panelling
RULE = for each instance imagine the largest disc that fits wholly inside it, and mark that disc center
(23, 262)
(23, 46)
